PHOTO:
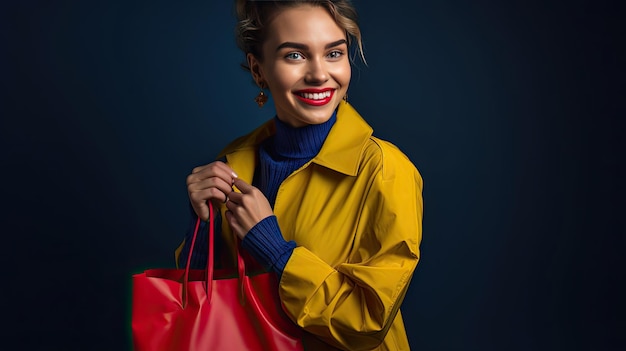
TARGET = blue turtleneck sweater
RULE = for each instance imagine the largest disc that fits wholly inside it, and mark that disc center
(279, 156)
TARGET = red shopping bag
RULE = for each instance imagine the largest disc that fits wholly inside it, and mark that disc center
(188, 310)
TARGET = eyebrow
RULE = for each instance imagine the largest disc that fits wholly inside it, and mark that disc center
(299, 46)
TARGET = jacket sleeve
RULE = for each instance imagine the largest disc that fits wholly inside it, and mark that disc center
(351, 306)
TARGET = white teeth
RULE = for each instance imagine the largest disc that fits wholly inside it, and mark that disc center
(316, 96)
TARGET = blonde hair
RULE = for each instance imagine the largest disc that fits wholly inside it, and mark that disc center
(254, 15)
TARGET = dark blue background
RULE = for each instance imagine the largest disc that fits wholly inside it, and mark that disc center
(512, 111)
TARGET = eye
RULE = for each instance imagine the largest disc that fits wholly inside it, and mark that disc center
(335, 54)
(294, 56)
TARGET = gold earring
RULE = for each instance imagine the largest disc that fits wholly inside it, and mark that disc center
(261, 99)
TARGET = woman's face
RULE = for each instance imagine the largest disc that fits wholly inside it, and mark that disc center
(305, 65)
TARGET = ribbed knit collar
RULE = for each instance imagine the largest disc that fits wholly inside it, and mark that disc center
(303, 142)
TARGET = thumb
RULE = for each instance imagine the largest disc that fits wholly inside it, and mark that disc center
(202, 210)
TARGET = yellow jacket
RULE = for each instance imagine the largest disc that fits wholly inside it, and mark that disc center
(355, 212)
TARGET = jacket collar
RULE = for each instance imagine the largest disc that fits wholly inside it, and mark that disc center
(341, 151)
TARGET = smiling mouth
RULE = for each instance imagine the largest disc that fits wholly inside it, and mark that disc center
(316, 98)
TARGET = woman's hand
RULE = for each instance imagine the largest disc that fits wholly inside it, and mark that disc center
(247, 208)
(212, 182)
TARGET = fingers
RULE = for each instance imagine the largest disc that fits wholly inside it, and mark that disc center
(245, 189)
(212, 188)
(235, 197)
(216, 174)
(202, 211)
(243, 186)
(247, 198)
(212, 182)
(215, 169)
(214, 166)
(246, 208)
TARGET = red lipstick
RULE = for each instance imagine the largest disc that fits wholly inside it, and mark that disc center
(308, 96)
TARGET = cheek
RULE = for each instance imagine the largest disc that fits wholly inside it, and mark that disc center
(348, 76)
(343, 74)
(284, 77)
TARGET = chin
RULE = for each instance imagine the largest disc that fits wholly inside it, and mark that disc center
(318, 119)
(301, 116)
(320, 116)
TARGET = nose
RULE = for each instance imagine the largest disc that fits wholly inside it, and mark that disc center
(316, 72)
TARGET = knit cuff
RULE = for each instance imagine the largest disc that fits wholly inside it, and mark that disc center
(266, 243)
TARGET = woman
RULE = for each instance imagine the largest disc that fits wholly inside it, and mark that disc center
(335, 212)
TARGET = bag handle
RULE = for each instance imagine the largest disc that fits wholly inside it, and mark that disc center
(208, 287)
(185, 291)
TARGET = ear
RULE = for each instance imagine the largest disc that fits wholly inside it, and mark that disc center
(256, 70)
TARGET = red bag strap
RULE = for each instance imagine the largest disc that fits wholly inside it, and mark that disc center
(208, 283)
(210, 260)
(209, 270)
(242, 272)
